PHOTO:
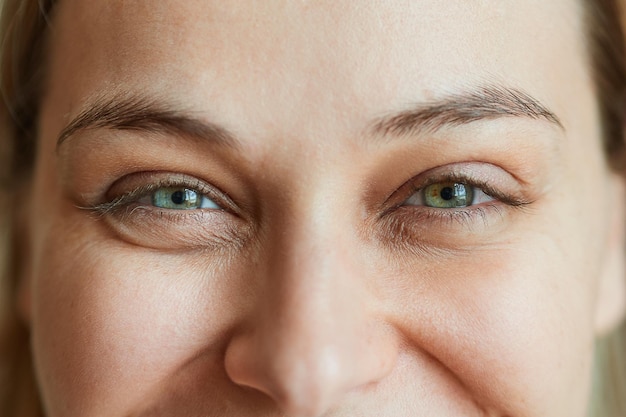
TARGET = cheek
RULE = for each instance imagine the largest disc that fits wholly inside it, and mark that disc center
(512, 322)
(106, 323)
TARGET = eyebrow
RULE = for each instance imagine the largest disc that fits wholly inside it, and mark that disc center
(143, 114)
(151, 115)
(485, 103)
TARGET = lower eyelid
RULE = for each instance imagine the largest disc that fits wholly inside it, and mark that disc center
(163, 228)
(432, 227)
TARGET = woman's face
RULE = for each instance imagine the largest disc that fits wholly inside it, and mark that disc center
(319, 209)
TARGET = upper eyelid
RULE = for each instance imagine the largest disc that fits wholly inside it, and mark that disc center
(472, 173)
(447, 177)
(473, 180)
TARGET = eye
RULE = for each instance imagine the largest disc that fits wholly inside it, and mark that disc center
(164, 192)
(179, 198)
(164, 210)
(447, 195)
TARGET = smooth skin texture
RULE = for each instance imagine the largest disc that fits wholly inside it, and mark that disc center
(321, 286)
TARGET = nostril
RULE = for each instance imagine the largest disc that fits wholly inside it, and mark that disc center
(311, 404)
(300, 383)
(307, 374)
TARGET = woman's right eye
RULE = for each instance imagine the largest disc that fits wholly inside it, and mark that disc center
(178, 198)
(162, 193)
(172, 211)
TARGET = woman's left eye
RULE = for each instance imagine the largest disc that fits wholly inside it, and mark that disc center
(448, 195)
(179, 198)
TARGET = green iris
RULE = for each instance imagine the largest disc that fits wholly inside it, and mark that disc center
(448, 195)
(177, 198)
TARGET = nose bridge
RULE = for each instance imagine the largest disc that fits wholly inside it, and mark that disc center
(318, 326)
(312, 261)
(311, 251)
(311, 339)
(320, 288)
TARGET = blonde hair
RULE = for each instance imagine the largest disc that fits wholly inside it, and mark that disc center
(23, 28)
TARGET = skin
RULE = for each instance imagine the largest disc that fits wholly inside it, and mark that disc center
(317, 290)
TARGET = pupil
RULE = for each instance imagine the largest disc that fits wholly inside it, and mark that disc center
(447, 193)
(178, 197)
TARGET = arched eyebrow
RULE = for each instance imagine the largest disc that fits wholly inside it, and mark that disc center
(143, 114)
(485, 103)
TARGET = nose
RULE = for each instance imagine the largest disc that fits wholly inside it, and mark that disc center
(315, 334)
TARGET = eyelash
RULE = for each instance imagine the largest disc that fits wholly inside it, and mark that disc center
(400, 213)
(125, 201)
(472, 182)
(465, 216)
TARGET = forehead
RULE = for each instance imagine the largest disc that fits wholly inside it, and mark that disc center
(340, 60)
